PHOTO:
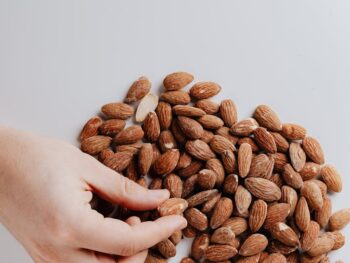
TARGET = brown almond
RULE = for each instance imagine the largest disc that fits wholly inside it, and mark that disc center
(189, 185)
(249, 140)
(196, 219)
(172, 206)
(297, 156)
(280, 160)
(291, 177)
(204, 90)
(309, 236)
(174, 184)
(283, 233)
(338, 237)
(276, 213)
(177, 132)
(267, 118)
(184, 161)
(193, 168)
(95, 144)
(257, 215)
(322, 216)
(223, 235)
(211, 122)
(151, 127)
(243, 199)
(230, 184)
(339, 219)
(221, 213)
(166, 141)
(209, 106)
(188, 111)
(118, 161)
(219, 253)
(209, 205)
(310, 171)
(244, 127)
(313, 150)
(293, 131)
(244, 159)
(216, 166)
(207, 136)
(254, 244)
(129, 135)
(138, 90)
(165, 115)
(90, 128)
(228, 112)
(263, 189)
(177, 97)
(322, 245)
(201, 197)
(190, 127)
(289, 196)
(220, 144)
(281, 143)
(156, 184)
(104, 154)
(177, 80)
(225, 132)
(111, 127)
(167, 162)
(331, 178)
(206, 179)
(145, 158)
(313, 195)
(166, 248)
(228, 159)
(117, 110)
(237, 224)
(199, 245)
(261, 166)
(302, 214)
(265, 140)
(199, 150)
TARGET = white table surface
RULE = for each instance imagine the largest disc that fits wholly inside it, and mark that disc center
(61, 60)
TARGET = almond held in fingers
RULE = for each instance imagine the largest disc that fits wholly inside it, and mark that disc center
(172, 206)
(267, 118)
(177, 80)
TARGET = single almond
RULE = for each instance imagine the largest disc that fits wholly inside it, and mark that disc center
(138, 90)
(313, 150)
(172, 206)
(95, 144)
(302, 214)
(129, 135)
(291, 177)
(201, 197)
(174, 184)
(220, 144)
(196, 219)
(309, 236)
(237, 224)
(276, 213)
(167, 162)
(151, 127)
(190, 127)
(339, 219)
(222, 211)
(244, 127)
(211, 122)
(145, 158)
(257, 215)
(263, 189)
(218, 253)
(207, 136)
(265, 140)
(297, 156)
(281, 143)
(243, 199)
(188, 111)
(267, 118)
(91, 128)
(283, 233)
(310, 171)
(191, 169)
(209, 205)
(293, 131)
(206, 179)
(165, 115)
(331, 178)
(244, 159)
(166, 248)
(261, 166)
(280, 160)
(184, 161)
(117, 110)
(322, 216)
(118, 161)
(216, 166)
(177, 132)
(166, 141)
(249, 140)
(112, 127)
(204, 90)
(338, 237)
(312, 192)
(199, 150)
(289, 196)
(230, 184)
(177, 80)
(176, 97)
(228, 112)
(322, 245)
(209, 106)
(223, 235)
(189, 185)
(199, 245)
(228, 159)
(253, 245)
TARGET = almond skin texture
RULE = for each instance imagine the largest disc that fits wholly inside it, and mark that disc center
(220, 144)
(166, 141)
(216, 166)
(209, 205)
(166, 248)
(322, 245)
(293, 131)
(138, 90)
(291, 177)
(165, 115)
(284, 234)
(172, 206)
(204, 90)
(297, 156)
(313, 195)
(261, 166)
(209, 106)
(302, 214)
(223, 235)
(281, 143)
(95, 144)
(309, 236)
(267, 118)
(230, 184)
(310, 171)
(244, 127)
(91, 128)
(339, 219)
(117, 110)
(276, 213)
(196, 219)
(112, 127)
(167, 162)
(211, 122)
(289, 196)
(174, 184)
(201, 197)
(265, 140)
(151, 127)
(221, 213)
(219, 253)
(188, 111)
(177, 80)
(244, 159)
(237, 224)
(243, 199)
(228, 112)
(145, 158)
(118, 161)
(313, 150)
(257, 216)
(206, 179)
(331, 178)
(254, 244)
(263, 189)
(322, 216)
(229, 161)
(199, 245)
(129, 135)
(199, 150)
(190, 127)
(176, 97)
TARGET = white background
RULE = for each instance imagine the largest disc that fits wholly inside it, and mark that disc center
(61, 60)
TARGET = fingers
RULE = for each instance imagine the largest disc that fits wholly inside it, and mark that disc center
(120, 190)
(115, 237)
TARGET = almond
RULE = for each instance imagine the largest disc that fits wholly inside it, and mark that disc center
(104, 154)
(193, 168)
(90, 128)
(174, 184)
(339, 219)
(280, 160)
(177, 80)
(218, 253)
(223, 235)
(222, 211)
(216, 166)
(145, 158)
(204, 90)
(276, 213)
(237, 224)
(151, 127)
(206, 179)
(132, 148)
(322, 245)
(176, 97)
(310, 171)
(228, 112)
(291, 177)
(118, 161)
(131, 171)
(138, 90)
(322, 216)
(267, 118)
(225, 132)
(302, 214)
(209, 205)
(254, 244)
(177, 132)
(117, 110)
(289, 196)
(310, 236)
(167, 162)
(176, 237)
(220, 144)
(165, 115)
(263, 189)
(332, 178)
(95, 144)
(189, 185)
(129, 135)
(293, 131)
(284, 234)
(313, 150)
(196, 219)
(172, 206)
(166, 141)
(244, 159)
(281, 143)
(191, 128)
(297, 156)
(201, 197)
(265, 140)
(199, 150)
(313, 195)
(207, 136)
(339, 239)
(156, 184)
(257, 216)
(229, 161)
(249, 140)
(261, 166)
(244, 127)
(211, 122)
(209, 106)
(199, 245)
(166, 248)
(111, 127)
(276, 246)
(188, 111)
(184, 161)
(243, 200)
(230, 184)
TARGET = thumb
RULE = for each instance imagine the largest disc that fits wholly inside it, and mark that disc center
(118, 189)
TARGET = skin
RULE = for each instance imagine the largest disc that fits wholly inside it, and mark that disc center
(45, 191)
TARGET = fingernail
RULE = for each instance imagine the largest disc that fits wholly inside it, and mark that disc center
(183, 222)
(161, 194)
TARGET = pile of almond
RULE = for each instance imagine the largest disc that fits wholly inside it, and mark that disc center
(252, 190)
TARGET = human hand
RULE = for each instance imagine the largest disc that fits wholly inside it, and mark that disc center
(45, 191)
